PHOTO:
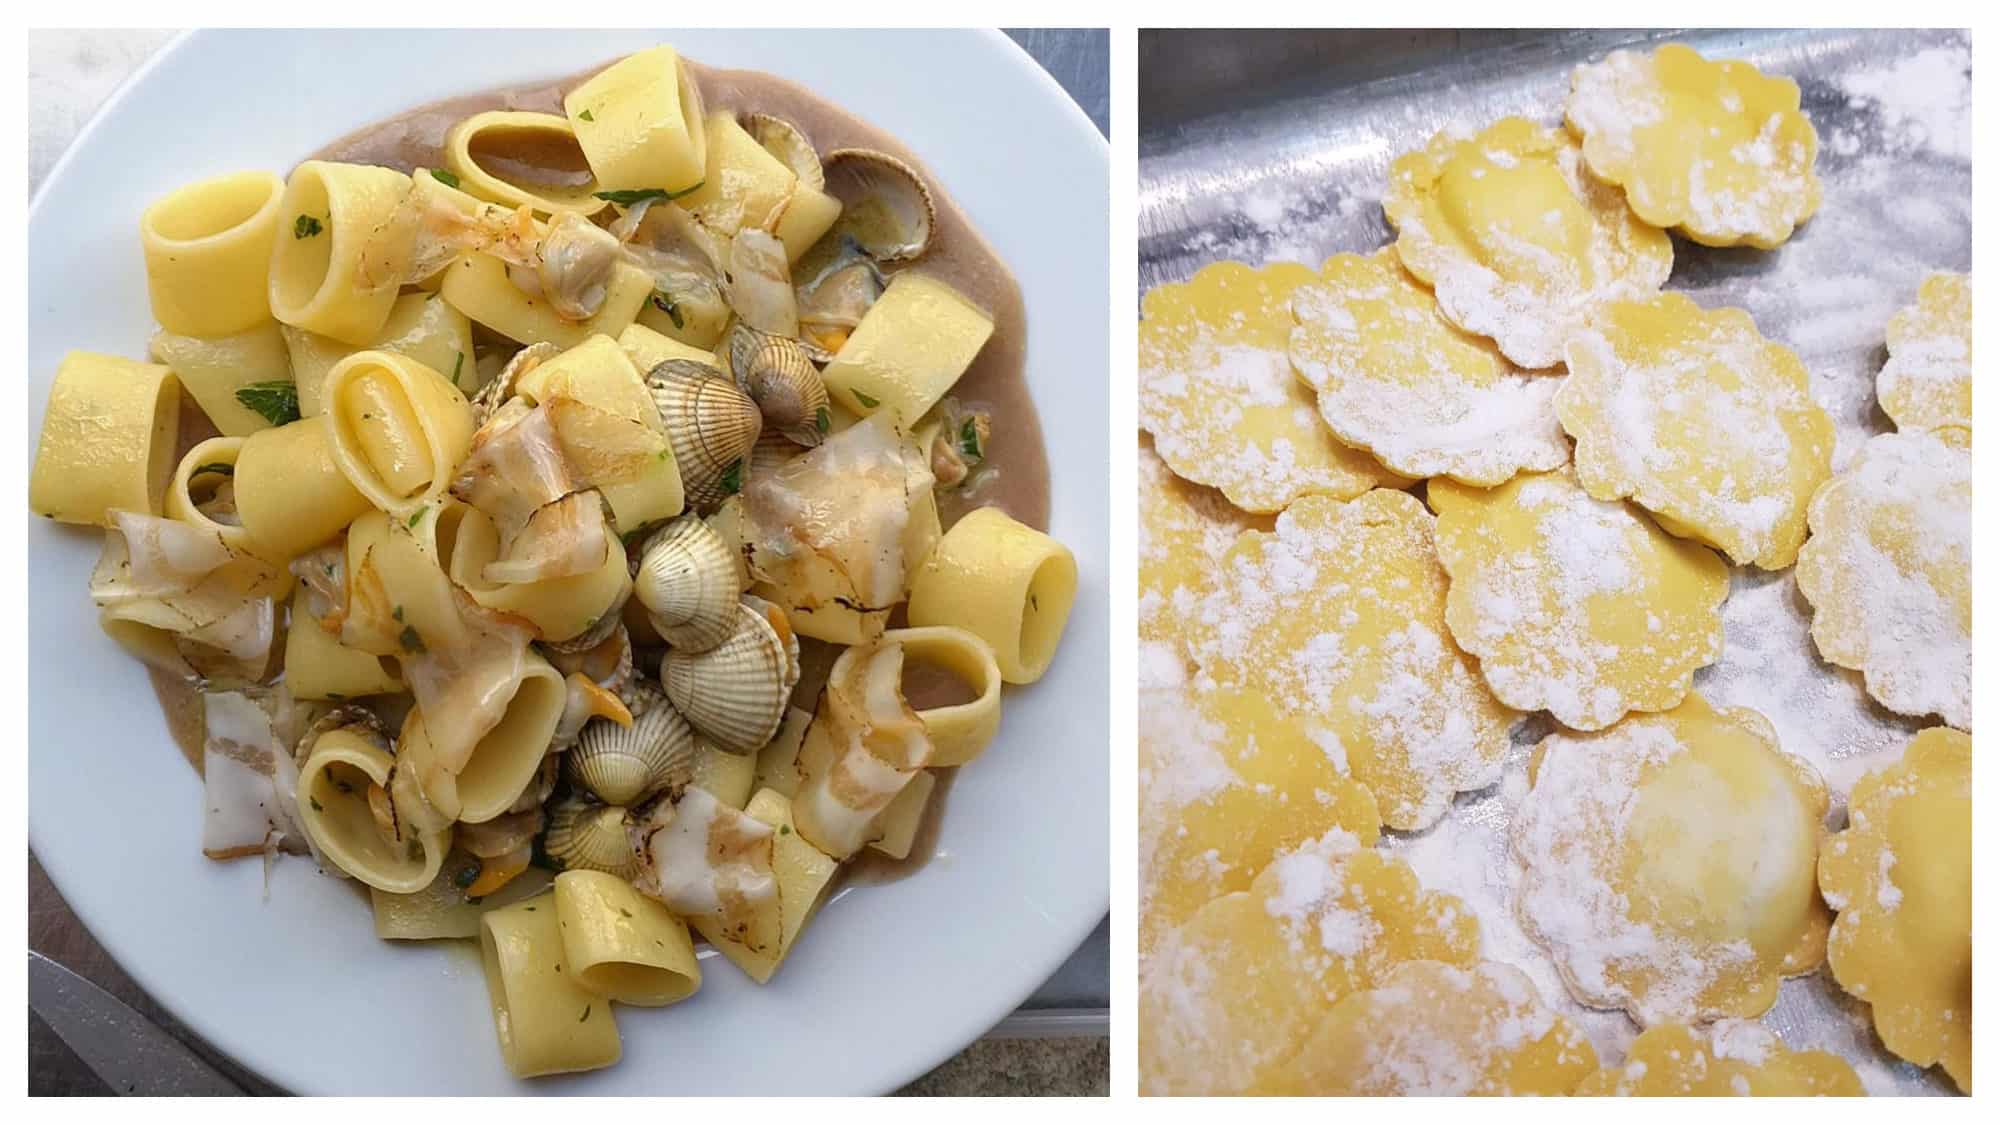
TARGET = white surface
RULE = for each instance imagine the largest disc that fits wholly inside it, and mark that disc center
(296, 986)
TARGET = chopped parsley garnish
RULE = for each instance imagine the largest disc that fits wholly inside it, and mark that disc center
(585, 1015)
(277, 400)
(467, 875)
(867, 400)
(417, 516)
(968, 440)
(822, 420)
(784, 829)
(585, 116)
(409, 639)
(218, 467)
(398, 613)
(457, 366)
(638, 195)
(305, 226)
(625, 912)
(317, 807)
(732, 478)
(448, 179)
(666, 305)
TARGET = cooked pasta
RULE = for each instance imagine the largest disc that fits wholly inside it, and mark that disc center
(525, 494)
(207, 247)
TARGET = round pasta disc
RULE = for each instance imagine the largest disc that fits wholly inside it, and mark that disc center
(1699, 420)
(1218, 394)
(1888, 572)
(1232, 995)
(1184, 529)
(1518, 242)
(1399, 380)
(1667, 863)
(1716, 150)
(1927, 382)
(1729, 1058)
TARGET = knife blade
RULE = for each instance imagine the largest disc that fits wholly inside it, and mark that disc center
(132, 1054)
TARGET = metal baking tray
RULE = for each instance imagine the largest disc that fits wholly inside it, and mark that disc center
(1265, 146)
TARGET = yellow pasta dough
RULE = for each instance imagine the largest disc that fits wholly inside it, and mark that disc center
(1576, 605)
(639, 121)
(1218, 394)
(339, 785)
(422, 326)
(290, 493)
(1183, 530)
(1900, 877)
(1397, 379)
(1336, 622)
(1717, 150)
(478, 286)
(208, 249)
(342, 246)
(1515, 237)
(621, 944)
(1234, 993)
(1731, 1058)
(213, 369)
(547, 1021)
(1218, 803)
(1667, 863)
(398, 428)
(1002, 581)
(1928, 380)
(107, 439)
(318, 666)
(1888, 571)
(1699, 420)
(1432, 1029)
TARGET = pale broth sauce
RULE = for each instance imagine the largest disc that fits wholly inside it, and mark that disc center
(1015, 477)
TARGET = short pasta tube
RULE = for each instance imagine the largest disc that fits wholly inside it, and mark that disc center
(420, 326)
(344, 807)
(639, 122)
(202, 493)
(318, 666)
(398, 428)
(803, 873)
(547, 1021)
(214, 369)
(343, 241)
(516, 158)
(503, 760)
(1002, 580)
(290, 494)
(399, 600)
(478, 286)
(107, 439)
(558, 608)
(960, 731)
(208, 253)
(621, 944)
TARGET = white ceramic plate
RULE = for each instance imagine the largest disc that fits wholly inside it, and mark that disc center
(890, 980)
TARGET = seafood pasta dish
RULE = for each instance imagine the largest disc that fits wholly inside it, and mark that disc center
(593, 518)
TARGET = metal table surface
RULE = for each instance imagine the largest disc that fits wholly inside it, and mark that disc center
(70, 74)
(1262, 146)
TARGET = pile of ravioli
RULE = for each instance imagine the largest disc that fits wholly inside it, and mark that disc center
(1392, 506)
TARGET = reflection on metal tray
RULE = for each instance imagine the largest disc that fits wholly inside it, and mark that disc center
(1262, 146)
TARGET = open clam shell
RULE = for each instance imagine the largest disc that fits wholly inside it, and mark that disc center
(587, 836)
(689, 580)
(885, 205)
(778, 374)
(833, 302)
(736, 692)
(625, 765)
(710, 424)
(788, 143)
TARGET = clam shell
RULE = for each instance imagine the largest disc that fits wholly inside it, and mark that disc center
(597, 634)
(710, 424)
(586, 836)
(772, 452)
(736, 692)
(785, 141)
(885, 205)
(625, 765)
(689, 582)
(835, 300)
(778, 374)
